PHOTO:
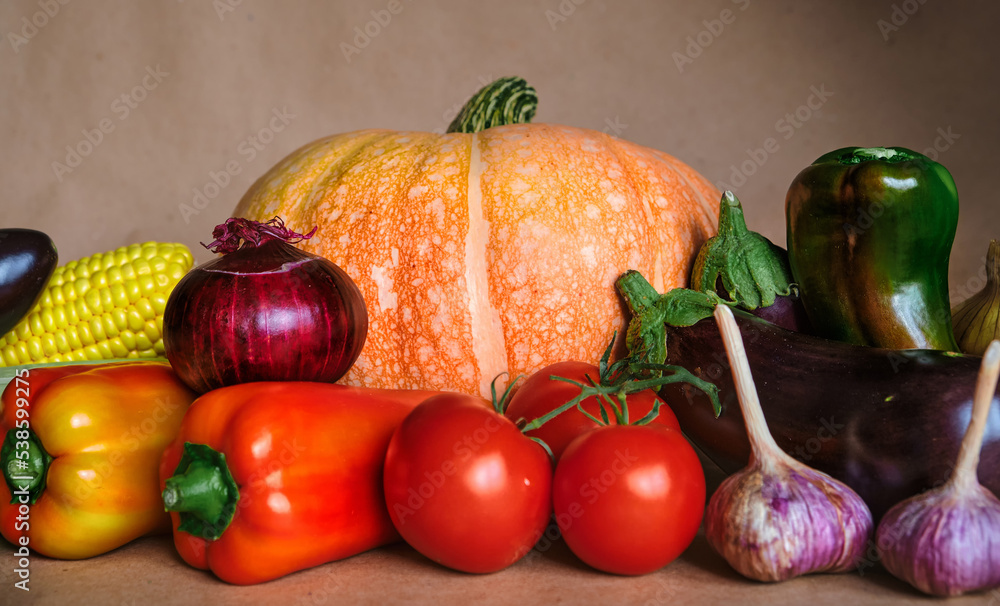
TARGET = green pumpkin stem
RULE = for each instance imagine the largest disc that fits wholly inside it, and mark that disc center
(508, 100)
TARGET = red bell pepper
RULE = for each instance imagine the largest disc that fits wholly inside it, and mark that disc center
(269, 478)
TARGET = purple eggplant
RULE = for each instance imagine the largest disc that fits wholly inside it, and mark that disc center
(749, 270)
(888, 423)
(27, 260)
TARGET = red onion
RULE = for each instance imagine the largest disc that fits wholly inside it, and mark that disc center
(264, 311)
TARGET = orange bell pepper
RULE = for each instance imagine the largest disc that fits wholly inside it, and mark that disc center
(269, 478)
(81, 452)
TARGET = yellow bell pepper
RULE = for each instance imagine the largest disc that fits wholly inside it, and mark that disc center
(81, 453)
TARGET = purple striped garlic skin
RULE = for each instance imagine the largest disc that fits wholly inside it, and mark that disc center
(944, 542)
(781, 519)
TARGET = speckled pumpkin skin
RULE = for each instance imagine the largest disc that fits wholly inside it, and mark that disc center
(488, 252)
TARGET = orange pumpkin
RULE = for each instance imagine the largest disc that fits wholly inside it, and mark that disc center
(490, 250)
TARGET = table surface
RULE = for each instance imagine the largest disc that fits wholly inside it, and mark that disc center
(149, 571)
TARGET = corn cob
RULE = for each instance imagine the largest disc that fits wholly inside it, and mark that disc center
(105, 306)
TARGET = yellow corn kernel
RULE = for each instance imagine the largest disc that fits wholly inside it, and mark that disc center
(35, 325)
(73, 336)
(159, 302)
(128, 339)
(105, 306)
(82, 310)
(118, 348)
(141, 267)
(143, 342)
(134, 320)
(145, 309)
(147, 285)
(48, 341)
(132, 291)
(99, 279)
(62, 343)
(108, 325)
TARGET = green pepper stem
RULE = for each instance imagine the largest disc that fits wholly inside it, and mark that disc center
(508, 100)
(203, 491)
(199, 490)
(25, 465)
(858, 155)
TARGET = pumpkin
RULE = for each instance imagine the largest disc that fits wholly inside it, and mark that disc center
(493, 247)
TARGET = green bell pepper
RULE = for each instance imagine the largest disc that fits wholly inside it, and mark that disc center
(870, 232)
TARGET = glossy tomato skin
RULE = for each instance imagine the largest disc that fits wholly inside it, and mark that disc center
(629, 499)
(539, 395)
(464, 486)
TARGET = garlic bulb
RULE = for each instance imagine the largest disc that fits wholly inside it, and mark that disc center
(946, 541)
(977, 320)
(778, 518)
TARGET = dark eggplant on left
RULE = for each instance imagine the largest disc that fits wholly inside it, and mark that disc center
(27, 259)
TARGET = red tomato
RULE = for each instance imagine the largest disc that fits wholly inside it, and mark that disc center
(629, 499)
(464, 486)
(540, 394)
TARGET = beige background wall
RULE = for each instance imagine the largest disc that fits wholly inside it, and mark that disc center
(710, 82)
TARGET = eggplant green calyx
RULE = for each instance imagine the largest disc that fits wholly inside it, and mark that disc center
(25, 465)
(651, 311)
(753, 271)
(203, 490)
